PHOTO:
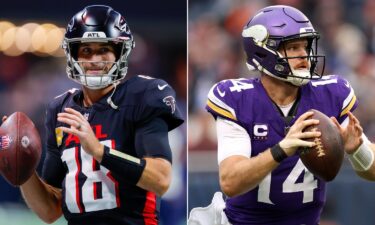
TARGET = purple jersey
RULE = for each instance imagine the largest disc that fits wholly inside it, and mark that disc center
(290, 194)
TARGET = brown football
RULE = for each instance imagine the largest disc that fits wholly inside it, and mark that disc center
(325, 158)
(20, 148)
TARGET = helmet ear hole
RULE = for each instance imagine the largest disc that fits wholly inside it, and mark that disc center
(260, 55)
(118, 50)
(74, 50)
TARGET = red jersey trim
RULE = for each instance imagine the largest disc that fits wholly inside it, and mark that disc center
(149, 209)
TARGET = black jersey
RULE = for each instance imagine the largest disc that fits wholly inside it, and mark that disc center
(91, 193)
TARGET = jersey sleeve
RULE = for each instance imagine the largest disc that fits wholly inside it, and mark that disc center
(221, 101)
(232, 139)
(151, 139)
(159, 100)
(346, 97)
(53, 169)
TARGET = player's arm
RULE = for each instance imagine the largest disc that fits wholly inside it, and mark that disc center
(156, 176)
(42, 198)
(239, 173)
(370, 173)
(359, 149)
(152, 173)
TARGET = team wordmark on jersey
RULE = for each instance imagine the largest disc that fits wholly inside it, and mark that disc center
(71, 138)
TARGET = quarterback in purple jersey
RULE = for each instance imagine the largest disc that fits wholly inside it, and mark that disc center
(260, 123)
(108, 156)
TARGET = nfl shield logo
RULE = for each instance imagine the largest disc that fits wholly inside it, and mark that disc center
(5, 142)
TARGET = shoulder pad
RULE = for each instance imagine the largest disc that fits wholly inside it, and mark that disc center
(341, 90)
(159, 100)
(225, 95)
(59, 100)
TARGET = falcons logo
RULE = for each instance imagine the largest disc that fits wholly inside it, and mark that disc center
(123, 26)
(169, 101)
(5, 142)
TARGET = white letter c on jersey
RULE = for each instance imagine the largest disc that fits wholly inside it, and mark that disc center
(261, 130)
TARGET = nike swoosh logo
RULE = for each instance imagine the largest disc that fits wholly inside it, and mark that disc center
(222, 94)
(162, 87)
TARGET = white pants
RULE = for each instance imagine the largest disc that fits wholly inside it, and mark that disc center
(210, 215)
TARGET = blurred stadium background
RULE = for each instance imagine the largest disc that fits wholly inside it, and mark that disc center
(347, 29)
(32, 72)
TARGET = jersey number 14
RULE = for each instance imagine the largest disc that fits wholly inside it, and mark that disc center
(290, 184)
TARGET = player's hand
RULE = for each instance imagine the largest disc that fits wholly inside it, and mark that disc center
(80, 127)
(351, 134)
(294, 139)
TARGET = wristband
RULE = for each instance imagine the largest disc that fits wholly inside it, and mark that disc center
(126, 166)
(362, 158)
(278, 153)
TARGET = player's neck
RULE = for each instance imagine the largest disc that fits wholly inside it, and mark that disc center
(282, 93)
(91, 96)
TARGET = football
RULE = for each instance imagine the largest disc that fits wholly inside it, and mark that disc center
(20, 148)
(325, 158)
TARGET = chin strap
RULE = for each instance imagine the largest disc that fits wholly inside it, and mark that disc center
(301, 77)
(109, 99)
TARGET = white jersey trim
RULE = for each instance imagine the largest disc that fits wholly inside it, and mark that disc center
(348, 99)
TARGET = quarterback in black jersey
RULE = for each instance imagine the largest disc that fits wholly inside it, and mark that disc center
(108, 156)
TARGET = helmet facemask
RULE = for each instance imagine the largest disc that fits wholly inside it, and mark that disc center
(113, 71)
(299, 77)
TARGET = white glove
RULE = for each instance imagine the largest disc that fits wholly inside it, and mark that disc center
(210, 215)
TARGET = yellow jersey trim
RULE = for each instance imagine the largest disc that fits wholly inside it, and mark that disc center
(220, 110)
(349, 106)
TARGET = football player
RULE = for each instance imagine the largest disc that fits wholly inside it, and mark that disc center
(108, 157)
(260, 123)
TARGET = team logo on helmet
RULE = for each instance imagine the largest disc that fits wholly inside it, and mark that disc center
(70, 26)
(171, 102)
(123, 26)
